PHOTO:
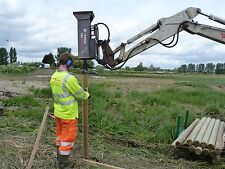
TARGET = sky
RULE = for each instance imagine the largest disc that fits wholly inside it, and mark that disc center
(38, 27)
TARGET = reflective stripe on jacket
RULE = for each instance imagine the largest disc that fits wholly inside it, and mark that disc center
(66, 91)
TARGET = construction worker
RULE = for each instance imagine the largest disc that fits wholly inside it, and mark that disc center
(65, 91)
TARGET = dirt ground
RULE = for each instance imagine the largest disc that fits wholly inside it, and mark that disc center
(219, 88)
(126, 84)
(22, 83)
(40, 79)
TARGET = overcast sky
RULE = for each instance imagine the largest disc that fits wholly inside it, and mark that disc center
(38, 27)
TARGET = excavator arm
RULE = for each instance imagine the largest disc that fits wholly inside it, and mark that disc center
(210, 32)
(165, 28)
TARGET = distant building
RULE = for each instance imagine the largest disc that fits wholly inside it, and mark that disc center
(45, 66)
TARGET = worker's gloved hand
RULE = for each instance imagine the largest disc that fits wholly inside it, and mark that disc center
(86, 90)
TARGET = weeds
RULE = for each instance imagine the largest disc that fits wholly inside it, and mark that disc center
(149, 117)
(33, 113)
(42, 93)
(20, 101)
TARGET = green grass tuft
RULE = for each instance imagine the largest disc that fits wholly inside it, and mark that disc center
(42, 93)
(20, 101)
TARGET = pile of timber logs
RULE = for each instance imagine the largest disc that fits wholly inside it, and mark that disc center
(204, 137)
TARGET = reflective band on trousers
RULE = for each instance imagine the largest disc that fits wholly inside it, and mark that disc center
(64, 152)
(65, 103)
(57, 140)
(65, 144)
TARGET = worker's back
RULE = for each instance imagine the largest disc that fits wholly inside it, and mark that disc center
(65, 104)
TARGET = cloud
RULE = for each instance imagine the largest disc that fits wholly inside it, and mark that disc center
(34, 30)
(39, 27)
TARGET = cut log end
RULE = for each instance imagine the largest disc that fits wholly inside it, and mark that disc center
(178, 143)
(191, 148)
(189, 142)
(203, 145)
(210, 146)
(196, 143)
(198, 150)
(216, 152)
(205, 151)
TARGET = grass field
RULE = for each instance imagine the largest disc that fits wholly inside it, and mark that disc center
(132, 118)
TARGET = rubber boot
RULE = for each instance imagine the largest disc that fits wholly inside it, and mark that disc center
(63, 161)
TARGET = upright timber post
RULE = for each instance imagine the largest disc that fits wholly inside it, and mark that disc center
(85, 114)
(84, 52)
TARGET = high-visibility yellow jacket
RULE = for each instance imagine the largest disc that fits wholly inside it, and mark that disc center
(66, 91)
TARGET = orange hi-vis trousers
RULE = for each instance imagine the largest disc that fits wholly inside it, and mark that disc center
(66, 133)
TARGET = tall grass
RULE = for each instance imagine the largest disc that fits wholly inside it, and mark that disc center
(23, 113)
(27, 100)
(149, 117)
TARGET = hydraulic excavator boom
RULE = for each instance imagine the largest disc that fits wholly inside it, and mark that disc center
(89, 43)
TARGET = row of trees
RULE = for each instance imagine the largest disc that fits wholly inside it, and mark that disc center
(209, 68)
(52, 60)
(142, 68)
(8, 57)
(11, 57)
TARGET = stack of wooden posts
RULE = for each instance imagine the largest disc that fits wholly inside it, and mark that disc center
(204, 137)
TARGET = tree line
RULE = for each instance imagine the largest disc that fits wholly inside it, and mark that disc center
(209, 68)
(8, 57)
(53, 60)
